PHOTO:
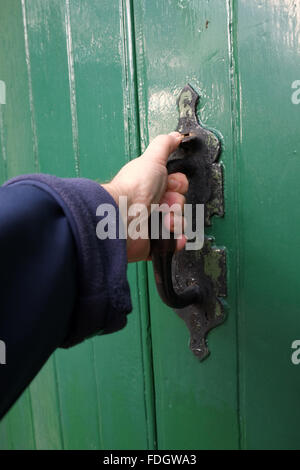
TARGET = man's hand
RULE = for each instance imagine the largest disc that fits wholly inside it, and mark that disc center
(145, 180)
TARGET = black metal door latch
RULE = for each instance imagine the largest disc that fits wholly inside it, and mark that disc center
(194, 282)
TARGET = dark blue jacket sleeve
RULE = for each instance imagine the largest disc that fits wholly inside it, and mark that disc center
(59, 283)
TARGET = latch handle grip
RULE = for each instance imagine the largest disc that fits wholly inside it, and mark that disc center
(162, 251)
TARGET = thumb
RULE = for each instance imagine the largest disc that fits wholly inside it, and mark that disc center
(162, 146)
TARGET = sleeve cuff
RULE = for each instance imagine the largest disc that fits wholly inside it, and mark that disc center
(103, 300)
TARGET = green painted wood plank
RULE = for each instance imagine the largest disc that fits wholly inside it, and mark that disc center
(268, 59)
(17, 427)
(17, 142)
(133, 147)
(46, 409)
(17, 116)
(108, 136)
(145, 332)
(53, 82)
(180, 42)
(47, 28)
(44, 34)
(78, 398)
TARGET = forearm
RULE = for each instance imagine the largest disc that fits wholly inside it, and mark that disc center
(57, 279)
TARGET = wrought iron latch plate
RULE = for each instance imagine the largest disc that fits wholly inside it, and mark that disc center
(198, 157)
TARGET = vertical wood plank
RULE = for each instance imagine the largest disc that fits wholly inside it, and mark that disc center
(108, 137)
(17, 427)
(268, 36)
(179, 42)
(47, 29)
(72, 422)
(46, 409)
(17, 151)
(17, 116)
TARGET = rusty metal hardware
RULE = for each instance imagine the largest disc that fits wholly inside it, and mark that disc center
(193, 282)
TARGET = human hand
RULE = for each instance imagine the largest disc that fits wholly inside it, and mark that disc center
(145, 180)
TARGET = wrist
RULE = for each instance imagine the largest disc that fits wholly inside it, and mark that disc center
(109, 187)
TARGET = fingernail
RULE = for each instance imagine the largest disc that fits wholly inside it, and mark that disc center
(177, 135)
(173, 184)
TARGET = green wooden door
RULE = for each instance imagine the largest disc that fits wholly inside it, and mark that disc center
(88, 84)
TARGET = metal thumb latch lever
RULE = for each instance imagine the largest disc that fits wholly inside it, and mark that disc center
(193, 282)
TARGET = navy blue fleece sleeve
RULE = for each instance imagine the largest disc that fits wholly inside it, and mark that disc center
(59, 283)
